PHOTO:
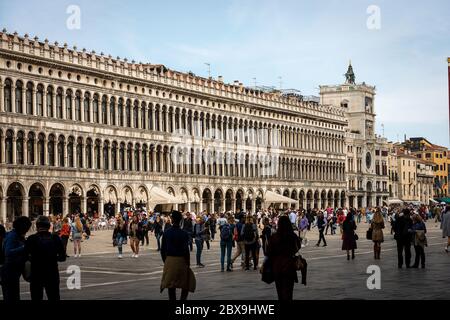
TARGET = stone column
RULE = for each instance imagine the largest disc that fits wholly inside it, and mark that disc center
(211, 205)
(223, 204)
(189, 206)
(54, 104)
(25, 150)
(25, 209)
(101, 206)
(24, 101)
(13, 96)
(46, 207)
(234, 204)
(173, 121)
(14, 150)
(3, 210)
(84, 204)
(72, 98)
(153, 124)
(117, 207)
(65, 206)
(200, 205)
(91, 110)
(63, 104)
(1, 98)
(253, 204)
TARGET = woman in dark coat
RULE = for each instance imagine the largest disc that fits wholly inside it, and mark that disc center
(349, 236)
(281, 249)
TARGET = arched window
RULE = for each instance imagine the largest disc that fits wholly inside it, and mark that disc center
(59, 97)
(120, 112)
(50, 102)
(30, 148)
(69, 104)
(152, 158)
(128, 113)
(157, 128)
(9, 146)
(89, 153)
(61, 141)
(70, 162)
(137, 157)
(143, 124)
(19, 148)
(122, 156)
(104, 106)
(41, 149)
(29, 98)
(78, 106)
(144, 157)
(114, 156)
(95, 109)
(97, 154)
(51, 150)
(130, 157)
(150, 117)
(79, 153)
(112, 111)
(106, 155)
(135, 116)
(19, 102)
(87, 107)
(7, 95)
(40, 100)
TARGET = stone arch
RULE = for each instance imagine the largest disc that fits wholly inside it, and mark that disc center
(195, 199)
(56, 197)
(74, 194)
(126, 198)
(110, 200)
(141, 197)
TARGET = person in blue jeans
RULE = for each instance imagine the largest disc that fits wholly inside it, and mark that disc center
(199, 234)
(226, 243)
(120, 234)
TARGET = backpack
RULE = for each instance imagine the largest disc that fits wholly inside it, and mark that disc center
(225, 232)
(249, 233)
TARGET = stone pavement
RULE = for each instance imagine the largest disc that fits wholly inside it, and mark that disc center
(330, 275)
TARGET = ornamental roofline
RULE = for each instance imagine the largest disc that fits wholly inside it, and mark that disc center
(156, 72)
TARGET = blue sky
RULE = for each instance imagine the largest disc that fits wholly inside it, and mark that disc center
(307, 43)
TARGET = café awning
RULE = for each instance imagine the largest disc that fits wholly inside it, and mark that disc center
(393, 201)
(159, 196)
(273, 197)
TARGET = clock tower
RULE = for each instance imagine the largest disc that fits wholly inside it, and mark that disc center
(364, 165)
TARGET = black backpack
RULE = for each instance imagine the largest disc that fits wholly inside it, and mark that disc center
(249, 233)
(225, 232)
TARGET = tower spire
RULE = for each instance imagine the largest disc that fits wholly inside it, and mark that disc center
(350, 75)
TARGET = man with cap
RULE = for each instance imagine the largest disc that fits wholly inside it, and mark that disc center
(45, 250)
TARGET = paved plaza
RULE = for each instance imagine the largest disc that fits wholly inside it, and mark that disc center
(330, 275)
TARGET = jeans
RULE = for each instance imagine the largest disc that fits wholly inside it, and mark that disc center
(321, 237)
(420, 256)
(228, 245)
(250, 248)
(158, 241)
(404, 245)
(145, 237)
(199, 245)
(119, 240)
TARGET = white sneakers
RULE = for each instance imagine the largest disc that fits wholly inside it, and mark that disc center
(77, 256)
(135, 255)
(120, 256)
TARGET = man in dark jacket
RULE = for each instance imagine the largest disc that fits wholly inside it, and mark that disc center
(15, 257)
(45, 250)
(321, 223)
(188, 227)
(401, 226)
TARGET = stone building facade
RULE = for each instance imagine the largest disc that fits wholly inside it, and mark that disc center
(366, 153)
(87, 132)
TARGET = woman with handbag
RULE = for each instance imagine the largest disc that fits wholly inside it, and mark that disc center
(349, 236)
(376, 230)
(282, 247)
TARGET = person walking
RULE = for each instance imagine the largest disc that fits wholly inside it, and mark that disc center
(207, 234)
(266, 233)
(15, 258)
(120, 234)
(226, 242)
(77, 236)
(419, 231)
(45, 250)
(145, 230)
(188, 226)
(303, 229)
(199, 234)
(136, 235)
(175, 254)
(377, 227)
(283, 245)
(402, 225)
(240, 246)
(158, 231)
(250, 236)
(321, 226)
(65, 234)
(445, 226)
(349, 236)
(212, 227)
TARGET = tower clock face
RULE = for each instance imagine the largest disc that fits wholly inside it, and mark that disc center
(368, 160)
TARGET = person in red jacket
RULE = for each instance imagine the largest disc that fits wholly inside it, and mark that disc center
(341, 219)
(64, 234)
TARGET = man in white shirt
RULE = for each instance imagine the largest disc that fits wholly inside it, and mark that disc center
(293, 217)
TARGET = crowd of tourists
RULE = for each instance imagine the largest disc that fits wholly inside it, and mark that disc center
(243, 237)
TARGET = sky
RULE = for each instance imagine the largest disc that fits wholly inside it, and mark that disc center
(401, 47)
